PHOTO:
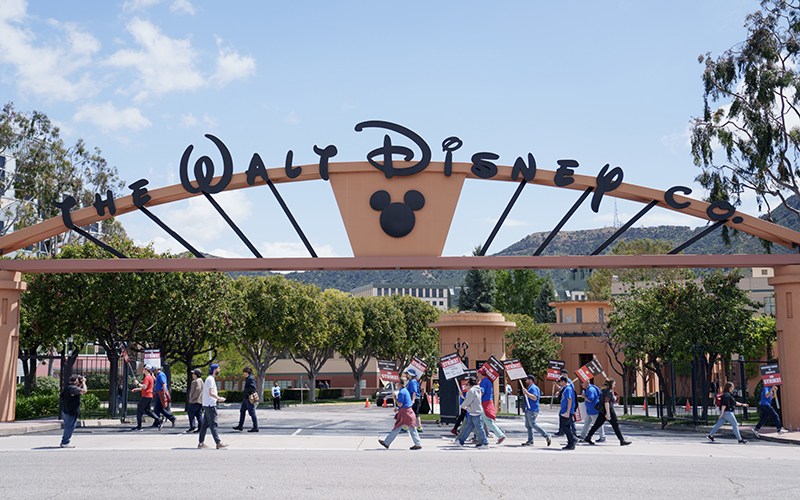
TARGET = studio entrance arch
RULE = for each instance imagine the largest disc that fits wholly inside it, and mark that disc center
(397, 214)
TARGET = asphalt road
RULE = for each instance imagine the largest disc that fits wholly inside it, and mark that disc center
(332, 452)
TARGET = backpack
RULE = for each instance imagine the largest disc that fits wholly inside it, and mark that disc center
(718, 400)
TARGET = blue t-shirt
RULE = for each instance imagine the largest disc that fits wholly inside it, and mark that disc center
(488, 389)
(592, 395)
(568, 393)
(413, 387)
(766, 396)
(403, 398)
(531, 404)
(161, 382)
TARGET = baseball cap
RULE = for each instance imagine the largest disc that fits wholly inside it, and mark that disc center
(213, 367)
(197, 372)
(148, 368)
(482, 371)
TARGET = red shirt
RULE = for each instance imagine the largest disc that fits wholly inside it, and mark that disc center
(147, 390)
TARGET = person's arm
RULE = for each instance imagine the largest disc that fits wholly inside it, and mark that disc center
(84, 390)
(212, 392)
(569, 407)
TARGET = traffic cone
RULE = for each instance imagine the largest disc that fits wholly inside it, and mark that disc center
(384, 402)
(644, 407)
(366, 405)
(688, 408)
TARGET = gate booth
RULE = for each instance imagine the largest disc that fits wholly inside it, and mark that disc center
(397, 214)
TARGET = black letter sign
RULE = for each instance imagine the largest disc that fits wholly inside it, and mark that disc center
(324, 154)
(204, 170)
(140, 196)
(68, 203)
(483, 168)
(388, 150)
(564, 172)
(528, 171)
(606, 182)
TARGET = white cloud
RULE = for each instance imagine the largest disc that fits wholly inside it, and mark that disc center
(347, 107)
(183, 7)
(207, 122)
(109, 118)
(292, 118)
(162, 65)
(231, 66)
(678, 142)
(200, 224)
(132, 5)
(46, 69)
(506, 223)
(292, 249)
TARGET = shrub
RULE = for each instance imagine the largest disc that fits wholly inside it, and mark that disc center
(90, 402)
(97, 381)
(40, 405)
(46, 385)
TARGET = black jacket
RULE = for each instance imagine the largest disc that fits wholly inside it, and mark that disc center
(250, 385)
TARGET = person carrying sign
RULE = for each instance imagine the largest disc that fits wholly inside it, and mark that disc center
(592, 396)
(487, 400)
(765, 407)
(532, 395)
(404, 416)
(606, 412)
(143, 407)
(162, 398)
(472, 404)
(413, 389)
(567, 412)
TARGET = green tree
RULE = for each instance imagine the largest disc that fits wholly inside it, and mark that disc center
(543, 311)
(517, 291)
(532, 343)
(754, 84)
(417, 338)
(382, 319)
(46, 170)
(600, 280)
(478, 290)
(312, 342)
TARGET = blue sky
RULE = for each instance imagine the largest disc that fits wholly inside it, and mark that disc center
(599, 82)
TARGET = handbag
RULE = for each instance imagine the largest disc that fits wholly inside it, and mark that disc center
(253, 397)
(165, 398)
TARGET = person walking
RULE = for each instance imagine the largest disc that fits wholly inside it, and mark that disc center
(195, 401)
(146, 388)
(727, 406)
(404, 416)
(765, 407)
(413, 389)
(565, 415)
(248, 405)
(592, 396)
(606, 412)
(210, 400)
(532, 394)
(487, 400)
(463, 413)
(473, 405)
(70, 402)
(276, 396)
(162, 398)
(565, 373)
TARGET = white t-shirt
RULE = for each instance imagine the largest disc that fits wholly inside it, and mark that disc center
(209, 385)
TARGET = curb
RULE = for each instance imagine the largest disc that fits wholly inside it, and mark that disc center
(705, 429)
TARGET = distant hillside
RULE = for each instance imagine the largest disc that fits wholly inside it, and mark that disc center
(565, 243)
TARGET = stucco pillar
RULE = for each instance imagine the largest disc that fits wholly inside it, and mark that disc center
(786, 284)
(11, 286)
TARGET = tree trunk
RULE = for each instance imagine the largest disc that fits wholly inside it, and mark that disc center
(358, 385)
(664, 389)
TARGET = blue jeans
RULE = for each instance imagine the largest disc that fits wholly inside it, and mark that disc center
(727, 416)
(474, 423)
(195, 411)
(411, 430)
(210, 423)
(766, 412)
(493, 426)
(530, 424)
(160, 410)
(69, 427)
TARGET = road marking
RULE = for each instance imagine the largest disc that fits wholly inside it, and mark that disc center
(297, 432)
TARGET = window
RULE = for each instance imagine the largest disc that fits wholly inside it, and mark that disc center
(441, 293)
(764, 272)
(427, 293)
(579, 316)
(560, 315)
(769, 305)
(413, 292)
(568, 318)
(600, 314)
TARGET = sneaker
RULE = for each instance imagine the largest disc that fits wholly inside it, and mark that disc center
(558, 434)
(189, 430)
(481, 446)
(710, 438)
(588, 440)
(416, 447)
(202, 445)
(757, 435)
(500, 441)
(527, 443)
(782, 431)
(454, 432)
(458, 443)
(222, 445)
(568, 447)
(136, 429)
(742, 441)
(624, 443)
(196, 430)
(160, 424)
(419, 429)
(237, 428)
(403, 430)
(383, 443)
(601, 440)
(254, 429)
(173, 421)
(67, 445)
(549, 441)
(474, 441)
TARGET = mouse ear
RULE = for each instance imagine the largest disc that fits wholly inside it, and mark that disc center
(380, 200)
(414, 199)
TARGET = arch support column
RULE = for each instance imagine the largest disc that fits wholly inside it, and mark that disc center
(11, 287)
(786, 284)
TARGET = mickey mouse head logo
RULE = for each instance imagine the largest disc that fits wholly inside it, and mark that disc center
(397, 219)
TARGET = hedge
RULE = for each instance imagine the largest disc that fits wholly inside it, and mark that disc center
(40, 405)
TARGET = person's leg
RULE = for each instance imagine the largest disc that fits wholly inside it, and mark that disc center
(461, 416)
(565, 426)
(493, 426)
(392, 435)
(529, 418)
(157, 410)
(69, 428)
(414, 436)
(469, 424)
(242, 410)
(731, 419)
(615, 425)
(204, 426)
(538, 427)
(480, 432)
(279, 403)
(251, 409)
(139, 413)
(598, 424)
(275, 403)
(213, 423)
(166, 412)
(587, 424)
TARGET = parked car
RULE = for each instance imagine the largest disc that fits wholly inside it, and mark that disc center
(384, 395)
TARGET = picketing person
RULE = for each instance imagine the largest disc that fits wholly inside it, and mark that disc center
(767, 411)
(404, 416)
(591, 394)
(487, 400)
(532, 395)
(472, 403)
(143, 407)
(162, 397)
(606, 411)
